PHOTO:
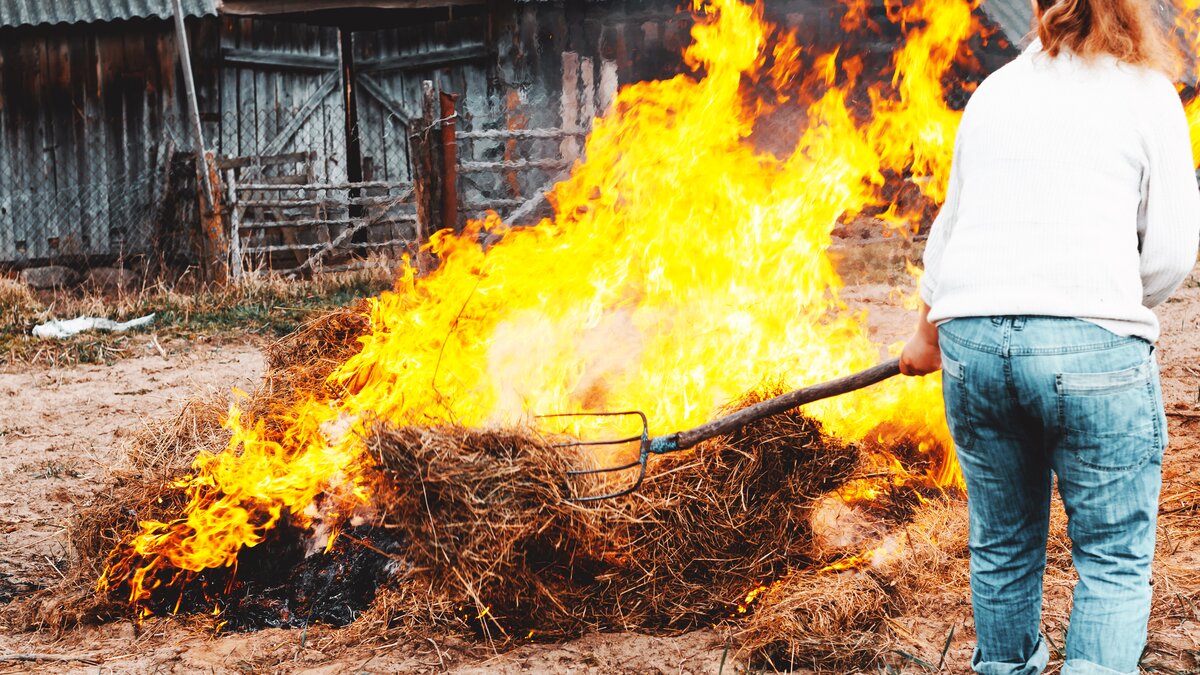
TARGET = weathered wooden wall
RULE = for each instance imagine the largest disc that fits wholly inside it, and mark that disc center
(85, 116)
(88, 112)
(276, 89)
(391, 64)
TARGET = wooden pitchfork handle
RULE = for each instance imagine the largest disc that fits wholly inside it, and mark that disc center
(681, 440)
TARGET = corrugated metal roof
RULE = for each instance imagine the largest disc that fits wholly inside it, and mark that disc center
(34, 12)
(1015, 17)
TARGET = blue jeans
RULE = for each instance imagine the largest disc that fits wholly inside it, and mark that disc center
(1027, 396)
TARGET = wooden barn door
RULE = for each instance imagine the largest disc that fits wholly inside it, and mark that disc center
(280, 94)
(389, 67)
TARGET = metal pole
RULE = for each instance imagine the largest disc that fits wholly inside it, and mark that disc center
(189, 85)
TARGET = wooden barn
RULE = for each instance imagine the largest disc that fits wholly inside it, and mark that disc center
(314, 113)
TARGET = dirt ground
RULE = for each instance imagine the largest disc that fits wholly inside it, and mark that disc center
(63, 430)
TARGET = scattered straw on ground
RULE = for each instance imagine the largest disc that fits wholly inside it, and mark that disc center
(478, 538)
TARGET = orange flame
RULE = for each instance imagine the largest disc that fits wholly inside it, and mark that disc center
(1187, 25)
(685, 266)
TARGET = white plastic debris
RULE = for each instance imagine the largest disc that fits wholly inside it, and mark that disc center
(66, 328)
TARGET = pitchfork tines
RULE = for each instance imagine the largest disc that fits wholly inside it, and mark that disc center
(681, 440)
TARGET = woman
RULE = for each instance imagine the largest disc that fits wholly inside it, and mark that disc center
(1072, 211)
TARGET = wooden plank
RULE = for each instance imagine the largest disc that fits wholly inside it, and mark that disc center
(134, 89)
(250, 225)
(355, 201)
(569, 106)
(67, 141)
(300, 248)
(260, 160)
(514, 165)
(89, 167)
(387, 185)
(228, 102)
(607, 92)
(8, 253)
(56, 228)
(275, 61)
(96, 93)
(425, 59)
(25, 153)
(249, 142)
(523, 134)
(264, 85)
(330, 123)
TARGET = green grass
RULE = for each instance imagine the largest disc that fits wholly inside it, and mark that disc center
(265, 306)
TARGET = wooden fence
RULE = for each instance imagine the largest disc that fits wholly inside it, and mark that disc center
(281, 217)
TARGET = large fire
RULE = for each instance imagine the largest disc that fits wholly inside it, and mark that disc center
(686, 264)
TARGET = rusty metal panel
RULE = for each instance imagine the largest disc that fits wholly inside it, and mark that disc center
(34, 12)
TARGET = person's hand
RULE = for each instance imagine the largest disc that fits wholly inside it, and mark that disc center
(921, 354)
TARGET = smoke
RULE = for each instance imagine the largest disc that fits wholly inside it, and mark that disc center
(526, 350)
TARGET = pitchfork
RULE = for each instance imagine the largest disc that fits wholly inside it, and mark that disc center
(682, 440)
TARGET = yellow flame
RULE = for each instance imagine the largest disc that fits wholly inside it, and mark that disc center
(685, 265)
(1187, 26)
(1193, 113)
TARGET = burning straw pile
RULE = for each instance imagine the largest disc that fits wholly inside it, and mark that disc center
(469, 532)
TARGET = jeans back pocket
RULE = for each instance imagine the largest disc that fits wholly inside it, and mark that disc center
(955, 397)
(1108, 419)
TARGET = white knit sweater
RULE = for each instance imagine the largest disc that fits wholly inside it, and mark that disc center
(1073, 193)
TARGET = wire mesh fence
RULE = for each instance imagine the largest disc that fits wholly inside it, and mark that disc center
(84, 212)
(127, 193)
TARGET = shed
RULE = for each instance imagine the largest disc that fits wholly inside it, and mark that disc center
(312, 108)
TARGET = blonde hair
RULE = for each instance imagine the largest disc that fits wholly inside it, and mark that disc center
(1125, 29)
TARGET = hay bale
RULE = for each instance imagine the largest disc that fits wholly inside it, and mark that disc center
(486, 521)
(320, 345)
(163, 452)
(160, 454)
(712, 524)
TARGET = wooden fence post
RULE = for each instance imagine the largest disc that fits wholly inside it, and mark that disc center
(587, 104)
(212, 223)
(427, 173)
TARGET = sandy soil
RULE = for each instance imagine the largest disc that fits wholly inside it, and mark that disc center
(61, 431)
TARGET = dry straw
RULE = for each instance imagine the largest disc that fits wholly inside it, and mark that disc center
(484, 543)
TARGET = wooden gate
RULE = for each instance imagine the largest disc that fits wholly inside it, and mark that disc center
(284, 158)
(297, 227)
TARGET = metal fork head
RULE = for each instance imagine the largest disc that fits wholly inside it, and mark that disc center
(643, 441)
